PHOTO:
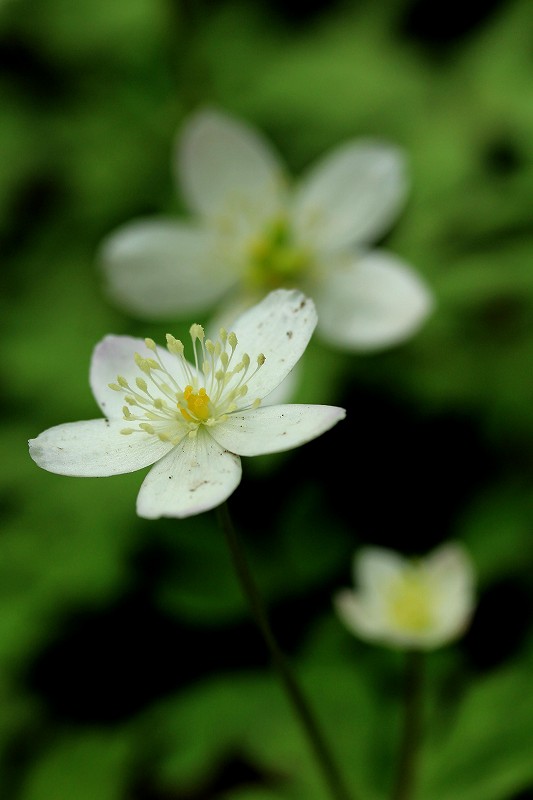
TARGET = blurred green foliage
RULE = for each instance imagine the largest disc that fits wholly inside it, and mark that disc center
(149, 703)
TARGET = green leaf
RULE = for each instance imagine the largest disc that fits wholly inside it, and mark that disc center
(486, 753)
(84, 765)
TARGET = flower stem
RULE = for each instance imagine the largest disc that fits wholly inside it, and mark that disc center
(412, 724)
(300, 705)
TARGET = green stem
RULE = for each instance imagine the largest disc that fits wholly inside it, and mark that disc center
(300, 705)
(412, 725)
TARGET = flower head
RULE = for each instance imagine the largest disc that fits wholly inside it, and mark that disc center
(253, 231)
(411, 603)
(192, 419)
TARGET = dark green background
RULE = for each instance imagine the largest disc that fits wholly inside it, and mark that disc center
(129, 668)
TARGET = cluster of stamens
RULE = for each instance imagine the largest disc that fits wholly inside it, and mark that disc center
(214, 388)
(275, 259)
(410, 601)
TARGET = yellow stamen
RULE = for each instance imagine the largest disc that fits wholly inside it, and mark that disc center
(165, 409)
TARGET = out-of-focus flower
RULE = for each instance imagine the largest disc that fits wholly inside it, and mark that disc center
(192, 421)
(409, 603)
(253, 232)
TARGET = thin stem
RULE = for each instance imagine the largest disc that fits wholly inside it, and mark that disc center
(412, 725)
(300, 705)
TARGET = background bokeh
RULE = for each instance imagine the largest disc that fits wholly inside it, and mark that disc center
(129, 667)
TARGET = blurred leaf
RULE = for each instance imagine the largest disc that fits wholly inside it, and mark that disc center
(487, 755)
(497, 529)
(83, 765)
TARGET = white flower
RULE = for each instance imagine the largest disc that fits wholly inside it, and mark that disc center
(411, 603)
(253, 232)
(192, 421)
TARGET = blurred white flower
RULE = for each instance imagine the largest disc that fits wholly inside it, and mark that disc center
(409, 603)
(192, 421)
(253, 232)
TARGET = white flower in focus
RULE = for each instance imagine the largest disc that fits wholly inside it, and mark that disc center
(411, 603)
(253, 232)
(192, 421)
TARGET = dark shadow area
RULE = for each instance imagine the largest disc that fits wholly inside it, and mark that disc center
(440, 27)
(501, 625)
(398, 478)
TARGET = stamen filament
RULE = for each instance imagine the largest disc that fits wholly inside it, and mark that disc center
(215, 386)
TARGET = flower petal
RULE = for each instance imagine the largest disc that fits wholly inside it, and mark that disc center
(375, 568)
(224, 165)
(95, 448)
(225, 317)
(286, 390)
(196, 476)
(451, 573)
(279, 327)
(375, 302)
(272, 429)
(114, 356)
(360, 618)
(157, 268)
(352, 195)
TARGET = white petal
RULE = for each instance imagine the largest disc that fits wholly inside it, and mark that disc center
(272, 429)
(451, 573)
(351, 196)
(451, 567)
(95, 448)
(225, 317)
(279, 327)
(196, 476)
(359, 618)
(375, 302)
(223, 164)
(111, 357)
(375, 568)
(114, 356)
(231, 308)
(157, 268)
(286, 389)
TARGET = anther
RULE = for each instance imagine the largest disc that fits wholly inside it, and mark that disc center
(174, 345)
(196, 331)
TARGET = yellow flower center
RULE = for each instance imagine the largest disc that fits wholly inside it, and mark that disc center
(275, 260)
(410, 602)
(197, 403)
(216, 385)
